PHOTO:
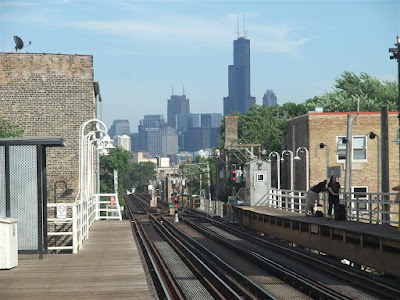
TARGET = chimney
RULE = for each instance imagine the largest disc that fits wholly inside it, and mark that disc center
(231, 131)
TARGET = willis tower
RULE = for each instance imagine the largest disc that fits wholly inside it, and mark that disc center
(239, 98)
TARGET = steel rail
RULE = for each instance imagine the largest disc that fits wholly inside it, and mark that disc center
(368, 284)
(163, 281)
(215, 285)
(201, 251)
(298, 281)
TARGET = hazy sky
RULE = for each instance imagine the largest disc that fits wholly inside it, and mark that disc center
(142, 48)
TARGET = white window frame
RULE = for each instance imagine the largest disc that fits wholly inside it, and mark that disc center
(260, 177)
(341, 146)
(353, 197)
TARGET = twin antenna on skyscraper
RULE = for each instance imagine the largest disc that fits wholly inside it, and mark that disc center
(183, 90)
(238, 26)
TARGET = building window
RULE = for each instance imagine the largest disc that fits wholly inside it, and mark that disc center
(260, 177)
(359, 150)
(360, 194)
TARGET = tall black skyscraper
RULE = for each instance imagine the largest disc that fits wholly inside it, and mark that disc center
(239, 98)
(177, 105)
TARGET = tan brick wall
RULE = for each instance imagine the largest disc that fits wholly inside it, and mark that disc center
(325, 127)
(50, 95)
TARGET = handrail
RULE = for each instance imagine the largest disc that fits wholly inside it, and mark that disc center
(360, 206)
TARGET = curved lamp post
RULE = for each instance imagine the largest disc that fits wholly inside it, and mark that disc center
(322, 146)
(284, 153)
(278, 167)
(86, 162)
(372, 136)
(297, 157)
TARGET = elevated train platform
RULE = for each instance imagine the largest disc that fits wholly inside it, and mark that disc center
(108, 267)
(375, 246)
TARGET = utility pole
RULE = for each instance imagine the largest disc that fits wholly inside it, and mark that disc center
(396, 55)
(208, 180)
(349, 158)
(385, 162)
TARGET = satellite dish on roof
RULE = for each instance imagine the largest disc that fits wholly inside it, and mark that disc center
(19, 44)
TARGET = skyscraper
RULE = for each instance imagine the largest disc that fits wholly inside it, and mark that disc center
(124, 141)
(156, 137)
(119, 127)
(270, 98)
(177, 105)
(239, 98)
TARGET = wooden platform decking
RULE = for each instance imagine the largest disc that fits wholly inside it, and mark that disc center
(108, 267)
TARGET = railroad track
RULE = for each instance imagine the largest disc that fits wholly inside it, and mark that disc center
(215, 278)
(360, 280)
(158, 258)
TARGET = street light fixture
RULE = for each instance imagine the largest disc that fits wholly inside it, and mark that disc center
(396, 55)
(289, 152)
(297, 157)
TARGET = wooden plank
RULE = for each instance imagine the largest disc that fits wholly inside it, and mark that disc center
(108, 267)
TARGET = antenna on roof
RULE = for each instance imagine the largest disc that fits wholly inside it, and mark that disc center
(172, 90)
(19, 44)
(183, 90)
(237, 24)
(244, 25)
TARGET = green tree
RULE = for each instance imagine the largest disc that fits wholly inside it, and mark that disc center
(139, 175)
(265, 125)
(118, 159)
(351, 89)
(9, 129)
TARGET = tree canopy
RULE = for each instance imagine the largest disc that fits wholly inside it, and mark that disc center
(265, 125)
(9, 129)
(349, 89)
(139, 174)
(118, 159)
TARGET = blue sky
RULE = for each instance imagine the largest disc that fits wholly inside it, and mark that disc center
(142, 48)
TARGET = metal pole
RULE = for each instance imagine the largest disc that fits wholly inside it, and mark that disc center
(208, 180)
(377, 165)
(327, 161)
(349, 158)
(278, 167)
(308, 169)
(385, 162)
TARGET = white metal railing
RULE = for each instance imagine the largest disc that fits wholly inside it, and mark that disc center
(106, 210)
(66, 224)
(80, 216)
(373, 208)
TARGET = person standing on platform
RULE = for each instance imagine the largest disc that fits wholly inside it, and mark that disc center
(333, 197)
(312, 196)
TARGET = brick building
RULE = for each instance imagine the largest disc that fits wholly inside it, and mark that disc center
(50, 95)
(312, 129)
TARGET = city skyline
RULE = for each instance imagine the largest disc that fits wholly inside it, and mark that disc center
(143, 48)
